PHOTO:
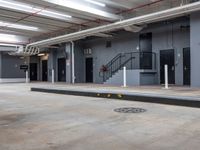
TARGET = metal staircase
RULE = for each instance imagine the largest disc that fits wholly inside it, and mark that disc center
(133, 60)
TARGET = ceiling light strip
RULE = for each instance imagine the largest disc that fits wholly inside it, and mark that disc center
(32, 9)
(18, 26)
(96, 3)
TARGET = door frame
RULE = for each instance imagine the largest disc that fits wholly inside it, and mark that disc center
(187, 48)
(36, 71)
(168, 71)
(43, 70)
(86, 70)
(60, 58)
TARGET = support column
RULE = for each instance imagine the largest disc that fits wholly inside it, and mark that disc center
(68, 62)
(195, 49)
(51, 74)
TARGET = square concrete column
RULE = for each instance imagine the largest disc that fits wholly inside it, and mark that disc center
(68, 62)
(195, 49)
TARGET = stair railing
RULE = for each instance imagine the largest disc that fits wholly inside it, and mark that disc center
(133, 60)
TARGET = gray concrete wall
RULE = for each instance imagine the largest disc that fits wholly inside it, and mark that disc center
(132, 78)
(195, 50)
(52, 63)
(59, 54)
(79, 63)
(102, 55)
(163, 37)
(166, 38)
(53, 57)
(11, 66)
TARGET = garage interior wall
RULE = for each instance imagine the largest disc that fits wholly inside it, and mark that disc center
(165, 35)
(11, 66)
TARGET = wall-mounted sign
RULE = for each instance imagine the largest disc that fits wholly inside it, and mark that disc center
(24, 67)
(88, 51)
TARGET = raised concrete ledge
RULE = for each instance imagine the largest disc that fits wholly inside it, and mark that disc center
(12, 80)
(150, 98)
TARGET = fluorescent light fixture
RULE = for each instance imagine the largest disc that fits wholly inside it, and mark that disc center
(83, 8)
(17, 26)
(8, 38)
(41, 54)
(32, 9)
(54, 14)
(96, 3)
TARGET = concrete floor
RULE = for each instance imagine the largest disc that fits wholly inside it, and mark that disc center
(39, 121)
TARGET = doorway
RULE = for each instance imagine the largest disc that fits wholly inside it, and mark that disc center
(33, 71)
(145, 42)
(44, 70)
(167, 58)
(61, 70)
(89, 70)
(186, 66)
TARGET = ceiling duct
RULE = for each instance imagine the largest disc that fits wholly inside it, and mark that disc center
(133, 28)
(8, 47)
(154, 17)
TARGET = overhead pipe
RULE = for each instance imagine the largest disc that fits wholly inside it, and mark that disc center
(100, 20)
(13, 43)
(153, 17)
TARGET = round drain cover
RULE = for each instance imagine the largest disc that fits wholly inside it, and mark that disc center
(129, 110)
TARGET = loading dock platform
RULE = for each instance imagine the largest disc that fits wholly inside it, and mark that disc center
(181, 96)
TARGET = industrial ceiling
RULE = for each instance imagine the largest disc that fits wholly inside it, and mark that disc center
(42, 19)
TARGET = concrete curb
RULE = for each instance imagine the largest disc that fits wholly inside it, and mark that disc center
(130, 97)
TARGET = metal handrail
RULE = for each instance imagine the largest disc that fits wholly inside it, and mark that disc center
(131, 58)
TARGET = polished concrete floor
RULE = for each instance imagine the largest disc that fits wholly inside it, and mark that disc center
(39, 121)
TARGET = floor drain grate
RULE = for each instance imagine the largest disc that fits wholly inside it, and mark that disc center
(129, 110)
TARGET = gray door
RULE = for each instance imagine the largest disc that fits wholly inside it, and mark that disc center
(62, 70)
(33, 71)
(186, 66)
(167, 58)
(89, 70)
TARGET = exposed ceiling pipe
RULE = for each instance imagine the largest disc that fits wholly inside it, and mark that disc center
(13, 43)
(100, 20)
(133, 28)
(103, 35)
(10, 48)
(157, 16)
